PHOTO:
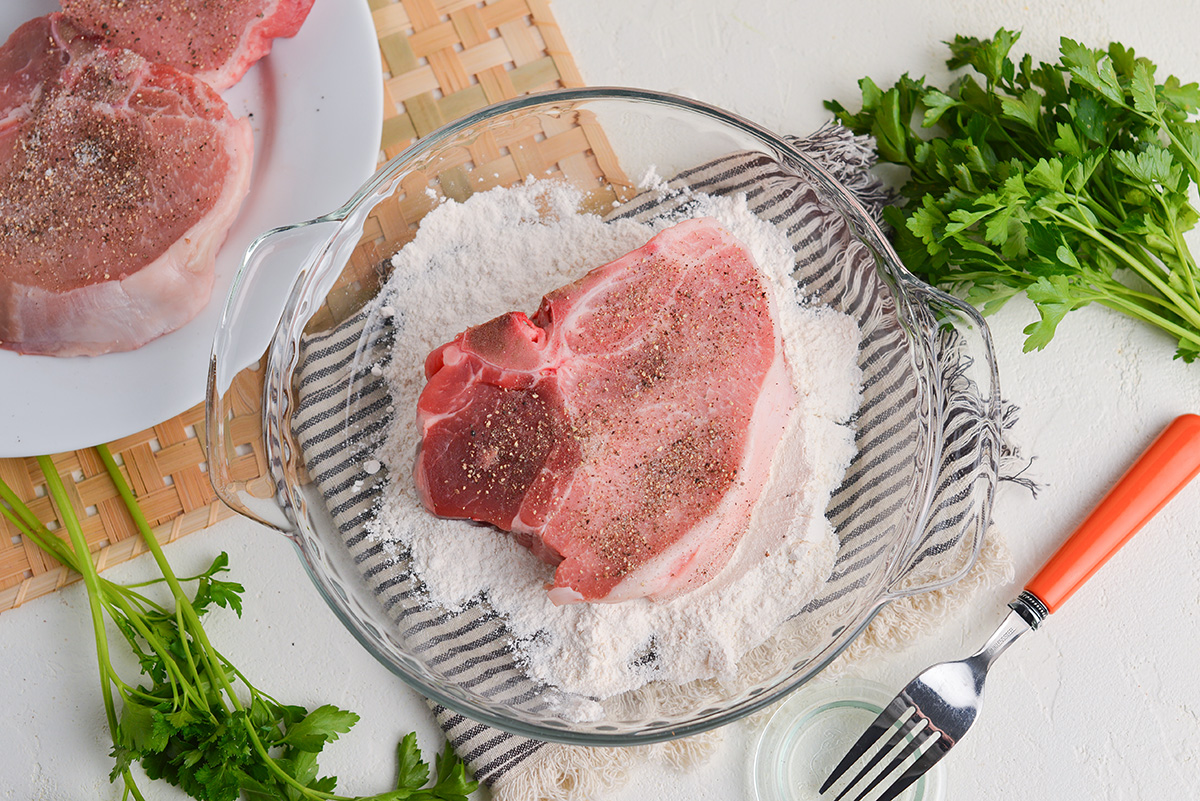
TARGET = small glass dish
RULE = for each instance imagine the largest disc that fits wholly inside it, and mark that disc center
(810, 733)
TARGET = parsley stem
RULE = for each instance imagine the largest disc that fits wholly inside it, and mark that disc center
(1187, 261)
(48, 543)
(1144, 298)
(26, 521)
(132, 788)
(1142, 313)
(1190, 313)
(91, 580)
(1120, 298)
(1100, 209)
(183, 644)
(183, 606)
(179, 683)
(1017, 147)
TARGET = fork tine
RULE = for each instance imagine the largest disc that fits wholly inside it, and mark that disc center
(887, 718)
(921, 739)
(909, 725)
(904, 727)
(916, 770)
(915, 727)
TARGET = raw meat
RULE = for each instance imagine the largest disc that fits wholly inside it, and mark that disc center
(215, 41)
(626, 430)
(118, 182)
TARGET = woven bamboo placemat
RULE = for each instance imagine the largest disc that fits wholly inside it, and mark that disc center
(441, 59)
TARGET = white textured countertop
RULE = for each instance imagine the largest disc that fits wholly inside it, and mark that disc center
(1102, 703)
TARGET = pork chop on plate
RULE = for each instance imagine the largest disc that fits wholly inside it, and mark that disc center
(119, 180)
(626, 430)
(215, 41)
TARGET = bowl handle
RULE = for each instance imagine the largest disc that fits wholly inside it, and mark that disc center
(245, 462)
(964, 400)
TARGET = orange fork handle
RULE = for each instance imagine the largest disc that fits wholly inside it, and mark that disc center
(1168, 464)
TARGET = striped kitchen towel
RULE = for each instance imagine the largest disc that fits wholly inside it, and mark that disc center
(834, 267)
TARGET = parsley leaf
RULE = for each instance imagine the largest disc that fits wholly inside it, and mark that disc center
(321, 726)
(412, 773)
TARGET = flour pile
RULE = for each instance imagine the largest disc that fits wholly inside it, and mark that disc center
(509, 246)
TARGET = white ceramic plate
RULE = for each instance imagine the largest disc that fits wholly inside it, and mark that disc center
(316, 106)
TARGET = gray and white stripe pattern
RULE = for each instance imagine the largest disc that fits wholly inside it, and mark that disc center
(833, 267)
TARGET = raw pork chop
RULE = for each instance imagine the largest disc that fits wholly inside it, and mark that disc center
(626, 430)
(118, 182)
(215, 40)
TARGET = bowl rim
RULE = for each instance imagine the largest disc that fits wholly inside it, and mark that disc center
(868, 229)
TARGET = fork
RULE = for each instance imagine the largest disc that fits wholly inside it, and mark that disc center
(934, 711)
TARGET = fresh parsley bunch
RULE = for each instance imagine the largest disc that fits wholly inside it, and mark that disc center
(196, 721)
(1068, 181)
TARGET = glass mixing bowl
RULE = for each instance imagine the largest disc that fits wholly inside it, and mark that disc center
(910, 514)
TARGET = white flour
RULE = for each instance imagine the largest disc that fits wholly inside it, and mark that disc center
(512, 246)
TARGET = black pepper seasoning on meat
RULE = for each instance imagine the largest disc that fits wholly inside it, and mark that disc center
(91, 173)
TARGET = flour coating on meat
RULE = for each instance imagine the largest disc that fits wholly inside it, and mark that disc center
(511, 247)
